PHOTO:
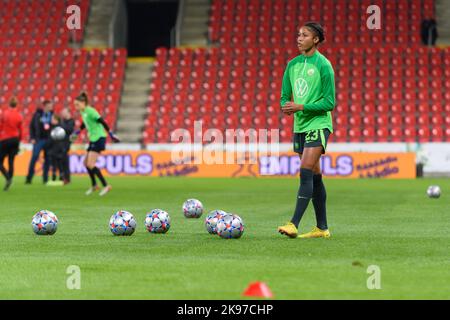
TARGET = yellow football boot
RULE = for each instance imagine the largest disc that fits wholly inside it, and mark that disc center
(316, 233)
(289, 229)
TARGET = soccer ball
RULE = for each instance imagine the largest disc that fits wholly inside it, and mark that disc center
(58, 134)
(192, 208)
(212, 219)
(122, 223)
(157, 221)
(44, 223)
(434, 192)
(230, 226)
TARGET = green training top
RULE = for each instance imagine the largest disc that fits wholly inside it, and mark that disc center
(94, 128)
(310, 81)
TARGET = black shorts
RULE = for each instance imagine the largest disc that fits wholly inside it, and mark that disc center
(312, 138)
(97, 146)
(9, 147)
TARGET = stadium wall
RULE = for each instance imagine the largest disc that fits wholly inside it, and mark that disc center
(431, 159)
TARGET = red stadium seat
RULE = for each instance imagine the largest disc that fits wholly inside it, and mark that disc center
(381, 134)
(396, 134)
(423, 134)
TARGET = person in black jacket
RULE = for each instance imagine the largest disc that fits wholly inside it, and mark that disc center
(40, 127)
(429, 31)
(59, 150)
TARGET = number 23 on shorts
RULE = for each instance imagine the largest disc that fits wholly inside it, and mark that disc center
(312, 136)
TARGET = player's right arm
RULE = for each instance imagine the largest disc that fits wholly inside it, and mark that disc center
(286, 90)
(75, 134)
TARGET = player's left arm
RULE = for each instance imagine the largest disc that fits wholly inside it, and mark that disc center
(113, 136)
(328, 100)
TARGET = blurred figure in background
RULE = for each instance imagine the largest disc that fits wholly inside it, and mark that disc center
(10, 136)
(68, 124)
(40, 126)
(429, 32)
(59, 149)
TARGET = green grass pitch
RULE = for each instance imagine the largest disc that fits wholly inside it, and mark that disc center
(388, 223)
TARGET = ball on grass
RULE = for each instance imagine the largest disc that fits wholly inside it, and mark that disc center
(192, 208)
(231, 226)
(44, 223)
(212, 219)
(434, 192)
(157, 221)
(122, 223)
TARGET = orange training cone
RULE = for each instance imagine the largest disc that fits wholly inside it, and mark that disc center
(258, 289)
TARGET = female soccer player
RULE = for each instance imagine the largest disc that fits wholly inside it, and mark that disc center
(10, 136)
(308, 93)
(95, 126)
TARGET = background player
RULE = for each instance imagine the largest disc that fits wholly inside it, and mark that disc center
(309, 81)
(10, 136)
(68, 124)
(59, 149)
(95, 126)
(40, 126)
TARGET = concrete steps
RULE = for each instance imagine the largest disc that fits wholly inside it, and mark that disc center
(443, 22)
(97, 29)
(133, 108)
(194, 25)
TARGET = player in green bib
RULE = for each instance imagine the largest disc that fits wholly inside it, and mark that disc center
(308, 94)
(97, 130)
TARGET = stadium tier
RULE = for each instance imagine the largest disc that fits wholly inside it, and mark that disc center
(384, 94)
(398, 91)
(61, 74)
(256, 22)
(393, 92)
(32, 23)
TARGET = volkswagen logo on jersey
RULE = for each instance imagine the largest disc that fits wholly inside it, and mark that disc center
(301, 87)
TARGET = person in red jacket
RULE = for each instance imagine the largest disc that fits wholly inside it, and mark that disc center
(10, 136)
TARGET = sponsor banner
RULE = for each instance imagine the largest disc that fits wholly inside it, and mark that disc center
(160, 164)
(345, 165)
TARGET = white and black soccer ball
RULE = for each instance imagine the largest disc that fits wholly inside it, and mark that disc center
(212, 219)
(44, 223)
(58, 133)
(122, 223)
(230, 226)
(157, 221)
(434, 191)
(192, 208)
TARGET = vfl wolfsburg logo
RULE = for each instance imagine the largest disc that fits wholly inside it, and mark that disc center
(301, 87)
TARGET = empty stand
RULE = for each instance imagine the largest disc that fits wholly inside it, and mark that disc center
(385, 94)
(60, 75)
(39, 23)
(255, 22)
